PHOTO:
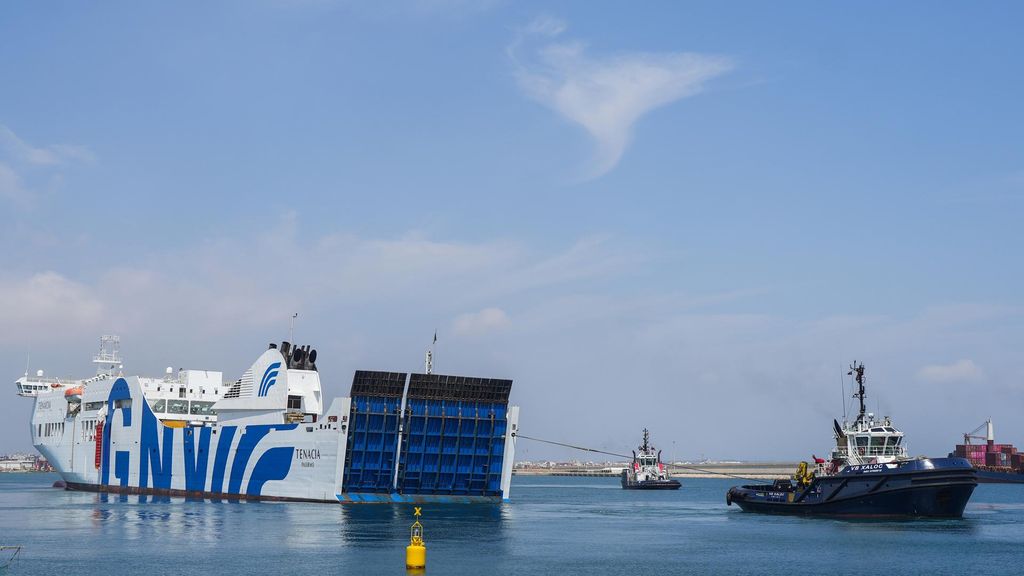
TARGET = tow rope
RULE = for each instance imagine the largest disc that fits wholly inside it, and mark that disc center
(678, 466)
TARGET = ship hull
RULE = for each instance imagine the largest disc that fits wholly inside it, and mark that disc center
(936, 488)
(655, 486)
(651, 485)
(999, 477)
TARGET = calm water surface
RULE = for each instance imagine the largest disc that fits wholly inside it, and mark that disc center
(560, 526)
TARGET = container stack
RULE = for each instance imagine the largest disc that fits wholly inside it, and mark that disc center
(998, 456)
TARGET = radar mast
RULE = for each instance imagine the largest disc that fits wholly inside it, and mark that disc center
(858, 370)
(108, 359)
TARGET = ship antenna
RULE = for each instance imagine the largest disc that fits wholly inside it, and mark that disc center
(644, 447)
(858, 369)
(430, 355)
(842, 386)
(108, 358)
(291, 328)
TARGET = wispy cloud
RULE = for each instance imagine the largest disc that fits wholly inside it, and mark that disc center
(211, 287)
(52, 155)
(45, 302)
(605, 95)
(23, 164)
(961, 371)
(482, 322)
(393, 8)
(10, 185)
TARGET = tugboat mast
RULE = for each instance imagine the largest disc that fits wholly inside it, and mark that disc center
(858, 369)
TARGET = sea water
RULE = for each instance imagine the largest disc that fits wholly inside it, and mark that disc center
(553, 525)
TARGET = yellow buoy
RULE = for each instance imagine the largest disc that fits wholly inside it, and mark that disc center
(416, 551)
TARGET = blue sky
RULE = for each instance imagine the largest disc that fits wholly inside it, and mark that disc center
(681, 216)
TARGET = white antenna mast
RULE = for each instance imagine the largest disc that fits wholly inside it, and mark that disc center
(291, 328)
(108, 358)
(430, 355)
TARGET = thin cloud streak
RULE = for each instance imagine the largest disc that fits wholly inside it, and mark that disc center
(607, 95)
(961, 371)
(53, 155)
(26, 169)
(480, 323)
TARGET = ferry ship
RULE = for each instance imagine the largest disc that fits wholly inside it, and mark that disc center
(398, 437)
(868, 474)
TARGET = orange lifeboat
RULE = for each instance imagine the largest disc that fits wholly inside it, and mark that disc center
(74, 394)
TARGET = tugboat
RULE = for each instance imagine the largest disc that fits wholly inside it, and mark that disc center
(647, 472)
(868, 475)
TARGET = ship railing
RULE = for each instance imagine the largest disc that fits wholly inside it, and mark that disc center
(870, 451)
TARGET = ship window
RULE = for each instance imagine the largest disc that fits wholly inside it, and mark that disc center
(202, 408)
(93, 405)
(123, 403)
(181, 392)
(160, 405)
(877, 441)
(177, 406)
(295, 402)
(862, 441)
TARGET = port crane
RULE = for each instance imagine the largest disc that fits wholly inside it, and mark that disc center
(973, 434)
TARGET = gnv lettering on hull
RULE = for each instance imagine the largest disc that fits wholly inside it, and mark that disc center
(156, 452)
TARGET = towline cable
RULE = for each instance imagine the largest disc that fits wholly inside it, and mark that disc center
(585, 449)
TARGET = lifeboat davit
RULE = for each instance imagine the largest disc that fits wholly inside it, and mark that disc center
(74, 394)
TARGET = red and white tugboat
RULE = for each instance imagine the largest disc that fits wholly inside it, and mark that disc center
(646, 471)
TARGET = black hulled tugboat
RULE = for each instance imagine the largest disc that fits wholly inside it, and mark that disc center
(646, 472)
(868, 475)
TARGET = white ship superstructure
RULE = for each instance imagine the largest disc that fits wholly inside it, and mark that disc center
(866, 440)
(267, 435)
